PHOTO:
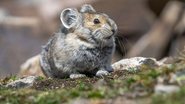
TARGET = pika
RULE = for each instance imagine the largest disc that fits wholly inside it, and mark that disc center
(84, 47)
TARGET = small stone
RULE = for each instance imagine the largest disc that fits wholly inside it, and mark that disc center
(75, 76)
(123, 100)
(173, 78)
(62, 86)
(1, 97)
(1, 84)
(22, 83)
(52, 87)
(160, 80)
(31, 98)
(159, 89)
(80, 101)
(135, 63)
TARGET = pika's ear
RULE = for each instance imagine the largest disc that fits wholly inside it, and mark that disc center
(87, 9)
(69, 17)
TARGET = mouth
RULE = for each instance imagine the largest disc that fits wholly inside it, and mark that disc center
(110, 32)
(104, 33)
(113, 31)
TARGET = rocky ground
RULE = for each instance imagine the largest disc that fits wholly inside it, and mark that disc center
(144, 80)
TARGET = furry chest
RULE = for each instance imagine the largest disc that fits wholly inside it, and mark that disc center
(92, 57)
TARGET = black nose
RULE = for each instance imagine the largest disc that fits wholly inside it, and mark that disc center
(113, 31)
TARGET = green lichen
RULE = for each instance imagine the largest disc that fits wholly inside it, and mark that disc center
(174, 98)
(57, 91)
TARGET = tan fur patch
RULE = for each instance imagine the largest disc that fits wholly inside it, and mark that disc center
(89, 20)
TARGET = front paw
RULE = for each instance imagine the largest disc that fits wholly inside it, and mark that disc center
(74, 76)
(101, 73)
(109, 69)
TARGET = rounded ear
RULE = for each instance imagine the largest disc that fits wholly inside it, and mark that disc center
(87, 9)
(69, 17)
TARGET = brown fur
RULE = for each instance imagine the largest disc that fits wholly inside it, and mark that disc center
(89, 18)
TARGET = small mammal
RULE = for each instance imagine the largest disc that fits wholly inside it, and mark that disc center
(84, 48)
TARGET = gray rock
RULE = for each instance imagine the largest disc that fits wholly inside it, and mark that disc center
(160, 88)
(135, 63)
(22, 83)
(179, 77)
(31, 67)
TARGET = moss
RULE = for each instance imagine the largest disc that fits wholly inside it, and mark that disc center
(40, 78)
(57, 91)
(47, 98)
(174, 98)
(96, 93)
(16, 96)
(8, 79)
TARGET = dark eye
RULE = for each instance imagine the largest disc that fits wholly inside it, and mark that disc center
(96, 21)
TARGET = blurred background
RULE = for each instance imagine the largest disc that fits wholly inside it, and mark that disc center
(151, 28)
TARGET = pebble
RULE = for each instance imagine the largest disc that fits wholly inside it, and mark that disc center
(22, 83)
(160, 88)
